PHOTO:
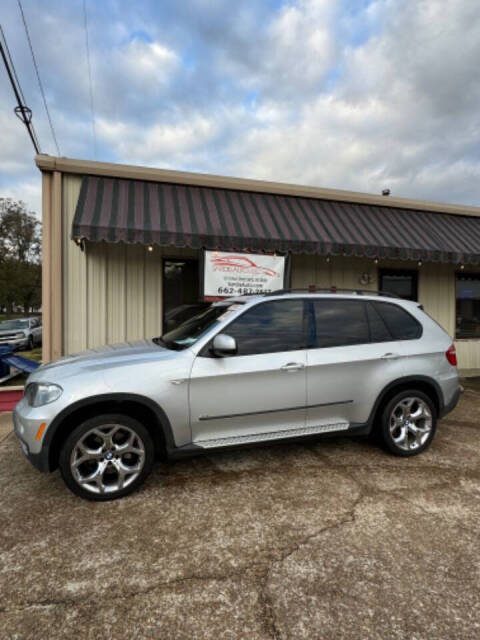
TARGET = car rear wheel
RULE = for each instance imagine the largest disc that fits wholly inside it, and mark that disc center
(106, 457)
(408, 423)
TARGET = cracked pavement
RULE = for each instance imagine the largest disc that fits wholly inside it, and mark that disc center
(327, 539)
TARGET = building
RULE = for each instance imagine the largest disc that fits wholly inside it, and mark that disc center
(124, 246)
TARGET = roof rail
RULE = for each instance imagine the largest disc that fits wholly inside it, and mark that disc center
(314, 289)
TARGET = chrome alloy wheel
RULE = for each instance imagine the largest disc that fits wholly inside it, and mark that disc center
(107, 458)
(410, 423)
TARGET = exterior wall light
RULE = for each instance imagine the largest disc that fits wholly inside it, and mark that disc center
(419, 263)
(462, 267)
(80, 242)
(150, 248)
(327, 259)
(375, 261)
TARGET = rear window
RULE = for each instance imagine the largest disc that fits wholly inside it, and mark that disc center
(379, 331)
(399, 324)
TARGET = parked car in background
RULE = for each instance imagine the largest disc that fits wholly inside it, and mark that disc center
(244, 370)
(21, 333)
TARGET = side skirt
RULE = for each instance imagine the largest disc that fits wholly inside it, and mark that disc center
(271, 435)
(286, 436)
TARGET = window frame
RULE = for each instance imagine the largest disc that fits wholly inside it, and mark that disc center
(206, 349)
(392, 272)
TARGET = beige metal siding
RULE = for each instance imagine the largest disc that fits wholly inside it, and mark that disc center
(74, 275)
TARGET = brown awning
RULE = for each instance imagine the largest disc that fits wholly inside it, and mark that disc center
(119, 210)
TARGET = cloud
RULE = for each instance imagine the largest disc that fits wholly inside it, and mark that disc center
(349, 94)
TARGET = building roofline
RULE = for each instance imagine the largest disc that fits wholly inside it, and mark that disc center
(48, 163)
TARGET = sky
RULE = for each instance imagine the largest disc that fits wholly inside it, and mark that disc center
(349, 94)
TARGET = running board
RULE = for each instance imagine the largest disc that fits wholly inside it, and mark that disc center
(271, 435)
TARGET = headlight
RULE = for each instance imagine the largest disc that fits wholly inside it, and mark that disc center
(39, 393)
(20, 336)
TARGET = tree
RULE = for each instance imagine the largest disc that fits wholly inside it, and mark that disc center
(20, 256)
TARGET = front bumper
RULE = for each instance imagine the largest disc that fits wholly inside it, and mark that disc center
(14, 343)
(24, 431)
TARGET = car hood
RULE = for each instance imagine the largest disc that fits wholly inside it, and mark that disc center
(101, 358)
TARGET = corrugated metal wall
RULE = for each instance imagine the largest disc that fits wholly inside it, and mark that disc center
(113, 292)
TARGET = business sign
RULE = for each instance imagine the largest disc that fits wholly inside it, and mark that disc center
(237, 274)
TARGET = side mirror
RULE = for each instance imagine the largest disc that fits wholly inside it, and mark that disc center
(224, 345)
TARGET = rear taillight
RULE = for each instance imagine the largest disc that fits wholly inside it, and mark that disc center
(451, 354)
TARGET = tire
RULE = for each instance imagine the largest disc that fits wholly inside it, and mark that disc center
(106, 457)
(408, 423)
(30, 344)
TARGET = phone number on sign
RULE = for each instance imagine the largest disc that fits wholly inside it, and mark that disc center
(240, 291)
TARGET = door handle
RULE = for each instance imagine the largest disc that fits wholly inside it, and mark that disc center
(390, 356)
(292, 366)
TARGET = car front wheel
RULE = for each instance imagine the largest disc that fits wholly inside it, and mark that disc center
(106, 457)
(408, 423)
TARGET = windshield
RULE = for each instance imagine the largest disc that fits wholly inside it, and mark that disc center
(8, 325)
(193, 329)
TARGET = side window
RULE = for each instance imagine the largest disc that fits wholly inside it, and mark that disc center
(340, 322)
(378, 329)
(269, 327)
(399, 322)
(402, 282)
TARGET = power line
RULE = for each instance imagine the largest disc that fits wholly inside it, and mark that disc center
(12, 66)
(21, 110)
(87, 46)
(38, 77)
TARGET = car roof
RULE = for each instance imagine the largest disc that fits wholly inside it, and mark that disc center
(332, 295)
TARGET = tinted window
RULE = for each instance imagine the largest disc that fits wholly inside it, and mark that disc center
(399, 322)
(378, 328)
(269, 327)
(402, 282)
(181, 290)
(340, 322)
(468, 305)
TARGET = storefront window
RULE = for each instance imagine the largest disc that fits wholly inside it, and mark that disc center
(181, 292)
(468, 305)
(401, 282)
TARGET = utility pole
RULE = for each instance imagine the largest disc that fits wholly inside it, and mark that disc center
(22, 112)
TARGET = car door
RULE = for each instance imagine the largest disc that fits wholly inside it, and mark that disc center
(261, 389)
(353, 357)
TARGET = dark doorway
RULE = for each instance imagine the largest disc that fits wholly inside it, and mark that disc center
(181, 292)
(401, 282)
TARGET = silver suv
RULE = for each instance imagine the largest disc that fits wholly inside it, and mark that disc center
(245, 370)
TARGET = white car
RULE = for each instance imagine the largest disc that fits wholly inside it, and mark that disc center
(21, 333)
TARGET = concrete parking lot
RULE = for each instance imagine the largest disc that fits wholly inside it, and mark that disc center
(333, 539)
